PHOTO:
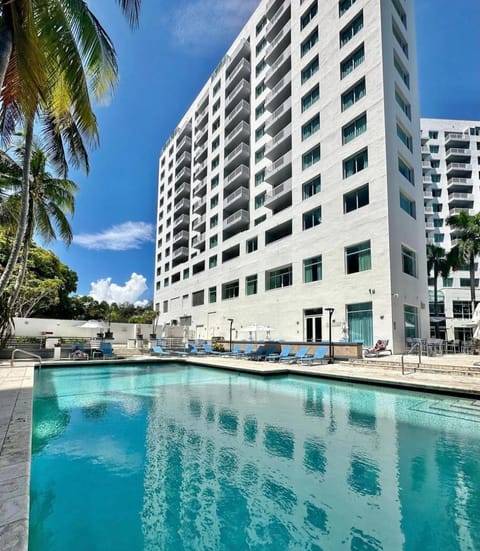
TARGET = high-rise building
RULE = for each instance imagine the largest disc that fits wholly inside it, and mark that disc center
(451, 183)
(292, 184)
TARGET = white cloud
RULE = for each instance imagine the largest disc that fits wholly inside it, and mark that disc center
(201, 24)
(129, 235)
(104, 289)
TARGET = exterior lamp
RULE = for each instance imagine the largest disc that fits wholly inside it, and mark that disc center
(231, 323)
(330, 347)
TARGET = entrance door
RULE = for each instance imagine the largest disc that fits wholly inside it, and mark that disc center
(313, 324)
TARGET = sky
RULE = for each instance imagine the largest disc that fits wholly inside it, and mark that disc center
(163, 65)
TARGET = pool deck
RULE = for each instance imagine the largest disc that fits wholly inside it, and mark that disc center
(452, 374)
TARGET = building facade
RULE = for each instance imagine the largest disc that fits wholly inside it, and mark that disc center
(292, 185)
(451, 183)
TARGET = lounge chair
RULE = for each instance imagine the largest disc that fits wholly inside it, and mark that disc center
(377, 350)
(192, 349)
(159, 351)
(259, 353)
(236, 350)
(298, 356)
(105, 351)
(317, 356)
(209, 350)
(278, 357)
(78, 352)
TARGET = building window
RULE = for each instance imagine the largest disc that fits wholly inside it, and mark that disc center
(408, 205)
(214, 221)
(353, 94)
(401, 70)
(404, 137)
(310, 127)
(214, 201)
(410, 316)
(354, 129)
(312, 187)
(260, 177)
(198, 298)
(186, 273)
(311, 157)
(212, 295)
(260, 67)
(406, 170)
(230, 290)
(348, 32)
(259, 154)
(435, 148)
(312, 269)
(360, 323)
(251, 283)
(438, 238)
(308, 15)
(259, 132)
(312, 218)
(212, 261)
(260, 110)
(358, 258)
(252, 245)
(400, 38)
(215, 162)
(310, 98)
(213, 241)
(280, 277)
(433, 134)
(344, 6)
(436, 178)
(352, 61)
(435, 163)
(356, 199)
(259, 220)
(260, 200)
(214, 182)
(447, 282)
(165, 306)
(216, 124)
(400, 11)
(465, 282)
(309, 42)
(215, 143)
(409, 261)
(260, 89)
(310, 70)
(355, 164)
(261, 45)
(216, 88)
(260, 25)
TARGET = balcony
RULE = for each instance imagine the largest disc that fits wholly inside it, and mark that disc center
(182, 191)
(200, 188)
(240, 133)
(241, 91)
(239, 155)
(200, 205)
(198, 242)
(239, 176)
(272, 7)
(242, 51)
(426, 165)
(201, 119)
(184, 160)
(180, 238)
(280, 197)
(462, 170)
(236, 200)
(241, 112)
(278, 20)
(425, 150)
(427, 179)
(184, 145)
(201, 153)
(453, 211)
(278, 44)
(235, 223)
(242, 70)
(182, 207)
(458, 154)
(183, 176)
(280, 170)
(186, 131)
(279, 69)
(180, 254)
(280, 144)
(428, 210)
(201, 170)
(427, 195)
(279, 93)
(200, 136)
(279, 118)
(464, 185)
(181, 222)
(455, 139)
(199, 223)
(460, 200)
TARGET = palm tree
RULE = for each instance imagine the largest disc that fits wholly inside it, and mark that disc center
(76, 57)
(440, 263)
(467, 228)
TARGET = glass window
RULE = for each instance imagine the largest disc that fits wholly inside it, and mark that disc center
(344, 5)
(260, 88)
(435, 163)
(280, 277)
(216, 124)
(260, 25)
(186, 273)
(230, 290)
(261, 66)
(214, 221)
(260, 177)
(212, 261)
(259, 220)
(215, 143)
(358, 258)
(400, 11)
(408, 205)
(409, 261)
(403, 103)
(312, 269)
(353, 94)
(212, 295)
(433, 148)
(348, 32)
(312, 218)
(435, 178)
(312, 187)
(360, 323)
(308, 15)
(433, 135)
(465, 282)
(309, 42)
(251, 283)
(259, 132)
(215, 162)
(310, 127)
(310, 70)
(260, 200)
(311, 157)
(214, 182)
(216, 88)
(260, 110)
(354, 129)
(260, 45)
(252, 245)
(356, 199)
(400, 39)
(410, 315)
(406, 170)
(310, 98)
(401, 70)
(214, 201)
(355, 164)
(213, 241)
(439, 238)
(165, 306)
(259, 154)
(198, 298)
(404, 137)
(352, 61)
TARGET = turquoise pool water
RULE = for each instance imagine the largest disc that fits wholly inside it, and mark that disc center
(159, 458)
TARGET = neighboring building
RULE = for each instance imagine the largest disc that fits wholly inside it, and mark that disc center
(451, 183)
(293, 182)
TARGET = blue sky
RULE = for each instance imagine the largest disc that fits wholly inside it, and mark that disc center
(163, 65)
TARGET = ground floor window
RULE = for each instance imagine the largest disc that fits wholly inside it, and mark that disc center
(360, 323)
(411, 321)
(313, 324)
(281, 277)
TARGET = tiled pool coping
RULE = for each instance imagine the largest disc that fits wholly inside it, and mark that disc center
(16, 395)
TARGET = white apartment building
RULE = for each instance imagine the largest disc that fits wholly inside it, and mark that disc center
(292, 185)
(451, 183)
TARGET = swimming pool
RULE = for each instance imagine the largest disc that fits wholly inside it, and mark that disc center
(183, 457)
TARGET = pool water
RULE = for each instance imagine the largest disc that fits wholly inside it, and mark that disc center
(174, 457)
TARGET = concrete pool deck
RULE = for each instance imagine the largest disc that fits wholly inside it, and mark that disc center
(450, 374)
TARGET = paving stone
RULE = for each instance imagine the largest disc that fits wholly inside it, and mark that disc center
(14, 536)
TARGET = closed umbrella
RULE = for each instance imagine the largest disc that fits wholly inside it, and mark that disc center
(476, 320)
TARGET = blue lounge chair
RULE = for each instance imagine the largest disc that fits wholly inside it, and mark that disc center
(317, 356)
(236, 350)
(209, 350)
(283, 354)
(301, 352)
(245, 353)
(192, 349)
(159, 351)
(105, 351)
(259, 353)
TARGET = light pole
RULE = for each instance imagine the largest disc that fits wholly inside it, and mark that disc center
(231, 323)
(330, 347)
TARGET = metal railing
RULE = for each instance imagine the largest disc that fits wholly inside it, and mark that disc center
(12, 361)
(417, 346)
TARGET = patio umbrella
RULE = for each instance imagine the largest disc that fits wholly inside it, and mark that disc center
(93, 324)
(255, 328)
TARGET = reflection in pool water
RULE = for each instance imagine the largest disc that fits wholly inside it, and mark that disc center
(149, 458)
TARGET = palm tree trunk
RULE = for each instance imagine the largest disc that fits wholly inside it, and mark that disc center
(6, 46)
(21, 274)
(24, 211)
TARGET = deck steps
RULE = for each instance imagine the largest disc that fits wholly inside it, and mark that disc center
(424, 367)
